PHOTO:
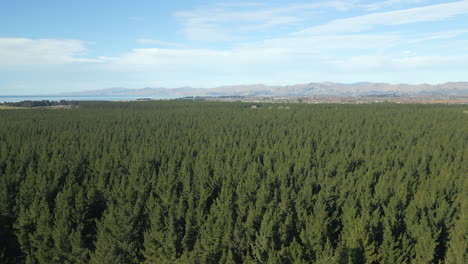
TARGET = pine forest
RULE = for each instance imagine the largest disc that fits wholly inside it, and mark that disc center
(214, 182)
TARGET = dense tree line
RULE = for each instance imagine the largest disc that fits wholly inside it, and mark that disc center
(42, 103)
(206, 182)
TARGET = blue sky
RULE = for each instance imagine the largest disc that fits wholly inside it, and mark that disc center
(60, 46)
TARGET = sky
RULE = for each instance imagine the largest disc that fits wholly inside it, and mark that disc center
(53, 46)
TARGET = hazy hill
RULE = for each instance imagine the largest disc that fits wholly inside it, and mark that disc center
(308, 89)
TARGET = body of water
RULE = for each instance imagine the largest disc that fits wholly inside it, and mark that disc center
(19, 98)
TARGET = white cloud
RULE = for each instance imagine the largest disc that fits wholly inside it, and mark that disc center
(293, 53)
(409, 62)
(330, 52)
(227, 22)
(390, 3)
(159, 42)
(413, 15)
(344, 44)
(40, 52)
(246, 20)
(201, 31)
(447, 34)
(324, 44)
(242, 4)
(330, 49)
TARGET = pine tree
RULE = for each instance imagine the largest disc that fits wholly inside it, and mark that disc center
(117, 237)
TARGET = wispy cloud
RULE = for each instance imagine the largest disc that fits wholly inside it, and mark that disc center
(407, 62)
(330, 52)
(27, 52)
(440, 35)
(223, 22)
(160, 43)
(354, 46)
(413, 15)
(390, 3)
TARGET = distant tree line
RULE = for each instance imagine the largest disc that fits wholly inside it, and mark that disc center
(209, 182)
(41, 103)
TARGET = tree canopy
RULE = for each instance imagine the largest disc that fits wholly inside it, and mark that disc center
(209, 182)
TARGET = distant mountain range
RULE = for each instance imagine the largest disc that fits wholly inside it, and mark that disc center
(309, 89)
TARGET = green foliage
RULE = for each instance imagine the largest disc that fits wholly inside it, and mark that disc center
(40, 103)
(207, 182)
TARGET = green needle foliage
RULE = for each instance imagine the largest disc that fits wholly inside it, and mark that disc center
(206, 182)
